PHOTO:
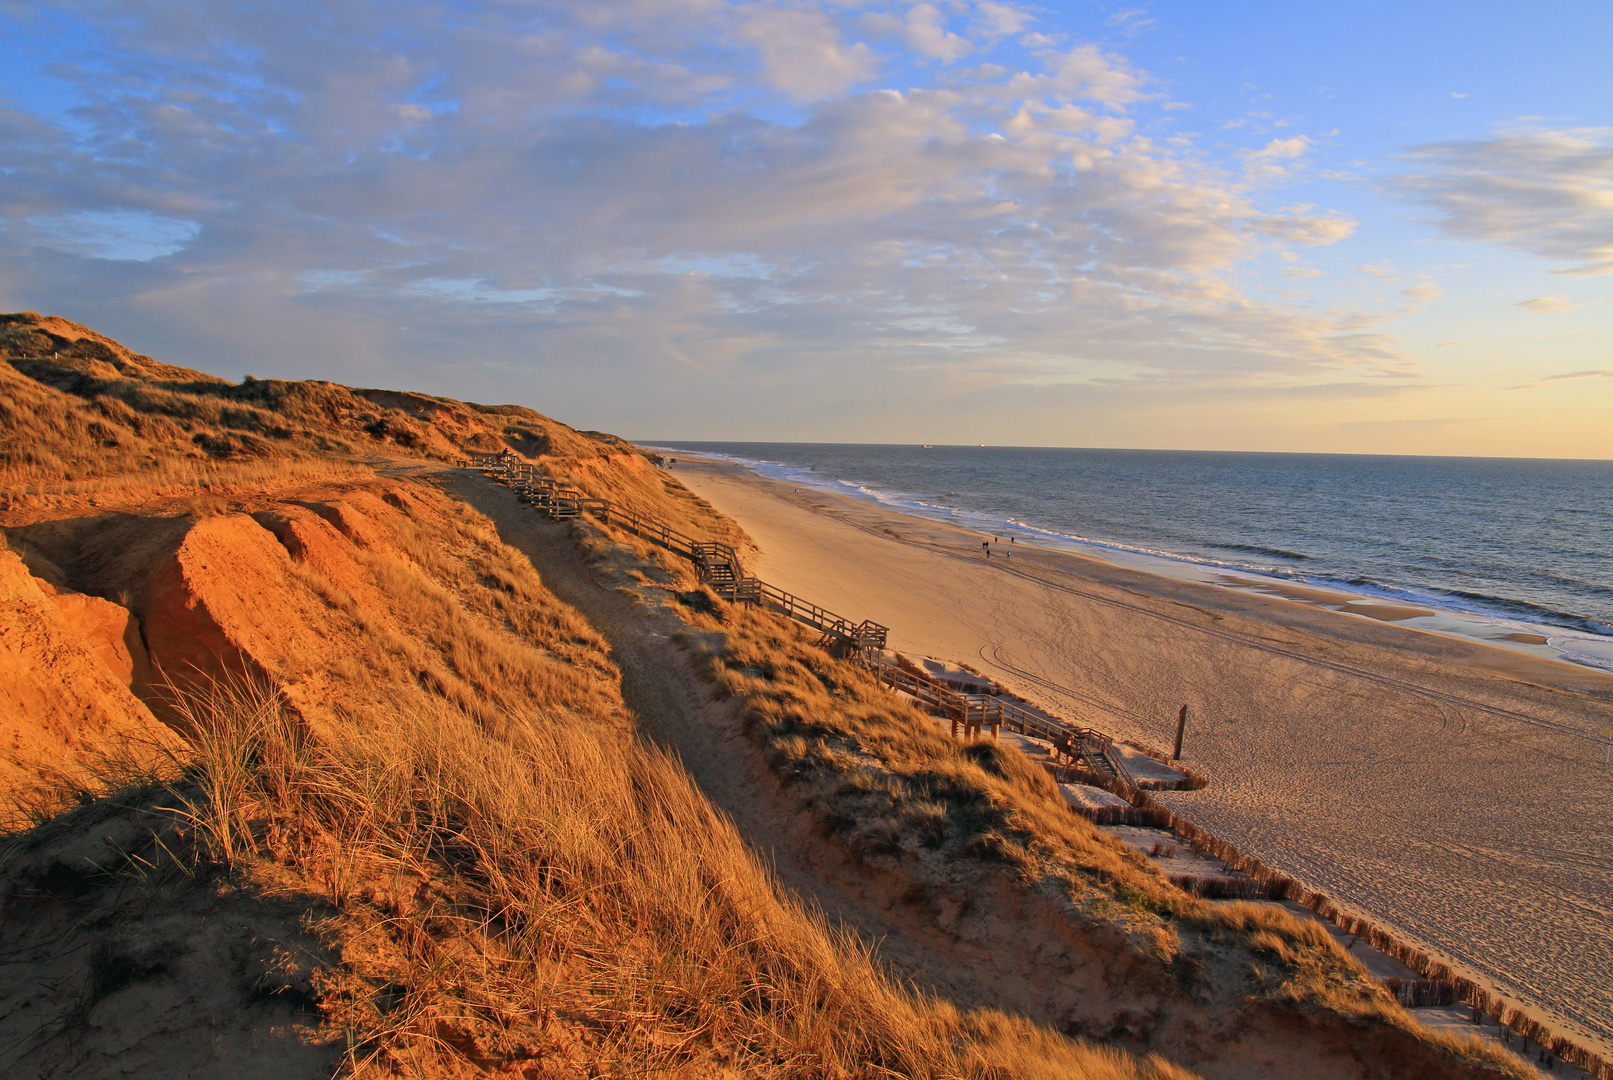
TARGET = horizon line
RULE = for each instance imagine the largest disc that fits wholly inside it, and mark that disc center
(1123, 449)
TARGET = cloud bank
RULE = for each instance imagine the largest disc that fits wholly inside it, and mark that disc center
(673, 209)
(1546, 193)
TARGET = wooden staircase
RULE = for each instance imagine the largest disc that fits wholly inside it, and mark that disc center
(1082, 747)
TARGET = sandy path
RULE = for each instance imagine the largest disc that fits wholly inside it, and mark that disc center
(1451, 790)
(676, 708)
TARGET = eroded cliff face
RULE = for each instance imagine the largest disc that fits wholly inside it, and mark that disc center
(68, 667)
(390, 590)
(130, 951)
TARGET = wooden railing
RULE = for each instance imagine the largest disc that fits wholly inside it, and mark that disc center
(721, 569)
(972, 713)
(718, 563)
(863, 635)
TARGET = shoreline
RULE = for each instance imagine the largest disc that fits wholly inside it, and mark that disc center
(1464, 801)
(1430, 614)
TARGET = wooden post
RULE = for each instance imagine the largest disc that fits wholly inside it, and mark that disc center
(1181, 726)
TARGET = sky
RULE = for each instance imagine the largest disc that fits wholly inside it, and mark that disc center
(1362, 228)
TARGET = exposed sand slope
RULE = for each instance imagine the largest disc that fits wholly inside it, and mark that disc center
(65, 673)
(1452, 790)
(318, 589)
(113, 976)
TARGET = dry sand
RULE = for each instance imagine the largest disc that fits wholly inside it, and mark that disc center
(1451, 790)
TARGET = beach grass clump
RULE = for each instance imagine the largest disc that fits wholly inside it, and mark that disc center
(555, 897)
(877, 768)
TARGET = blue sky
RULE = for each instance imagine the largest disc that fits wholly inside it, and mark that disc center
(1366, 228)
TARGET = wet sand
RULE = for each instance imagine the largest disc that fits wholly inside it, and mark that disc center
(1451, 790)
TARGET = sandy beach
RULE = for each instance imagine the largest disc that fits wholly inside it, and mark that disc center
(1453, 791)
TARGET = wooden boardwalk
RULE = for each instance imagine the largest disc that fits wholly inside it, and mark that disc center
(718, 564)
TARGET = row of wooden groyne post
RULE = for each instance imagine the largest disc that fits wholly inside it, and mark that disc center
(1087, 754)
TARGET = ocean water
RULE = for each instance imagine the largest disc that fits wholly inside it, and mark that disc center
(1502, 544)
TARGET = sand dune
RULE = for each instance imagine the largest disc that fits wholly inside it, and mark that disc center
(1452, 790)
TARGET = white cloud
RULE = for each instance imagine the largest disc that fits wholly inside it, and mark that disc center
(1130, 20)
(993, 20)
(803, 52)
(1597, 373)
(1600, 373)
(928, 35)
(1270, 162)
(1547, 193)
(1423, 294)
(1382, 271)
(1548, 305)
(1084, 72)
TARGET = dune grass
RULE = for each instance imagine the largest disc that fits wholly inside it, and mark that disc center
(85, 421)
(561, 896)
(36, 487)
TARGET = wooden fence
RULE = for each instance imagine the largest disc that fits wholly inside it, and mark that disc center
(1084, 747)
(719, 564)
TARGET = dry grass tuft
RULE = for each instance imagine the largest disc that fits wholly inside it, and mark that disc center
(36, 487)
(889, 780)
(563, 897)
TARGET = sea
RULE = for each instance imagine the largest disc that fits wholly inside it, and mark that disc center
(1504, 550)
